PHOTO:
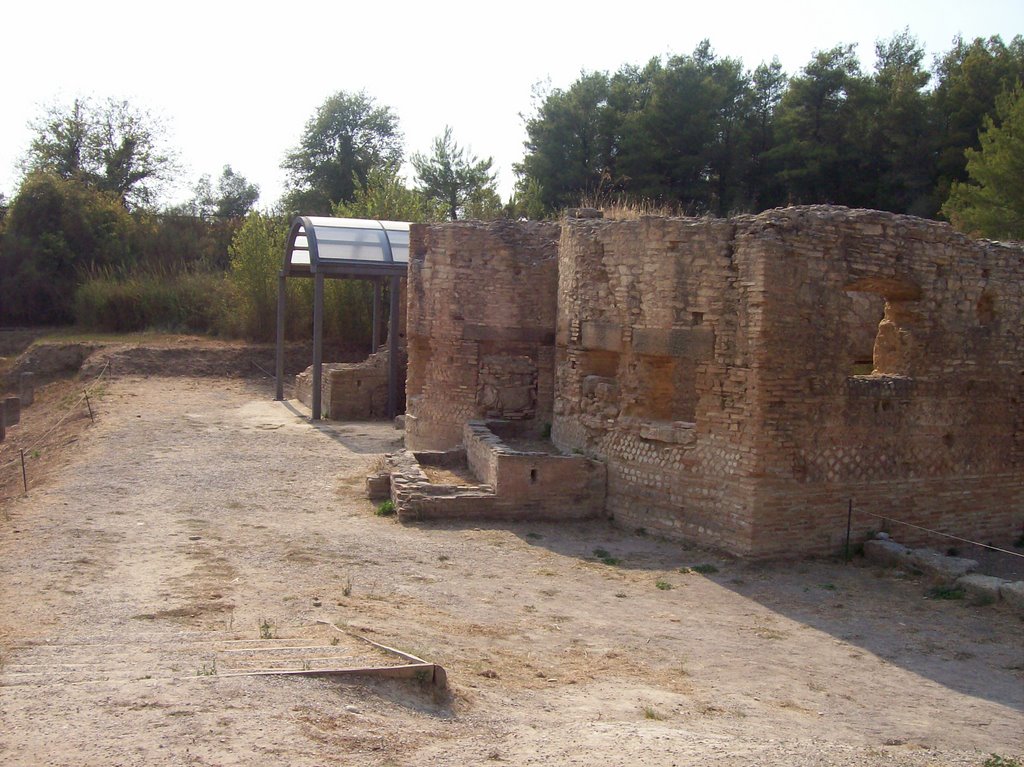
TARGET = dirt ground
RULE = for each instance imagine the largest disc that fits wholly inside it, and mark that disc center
(199, 530)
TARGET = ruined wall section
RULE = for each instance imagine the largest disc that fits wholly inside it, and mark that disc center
(481, 319)
(653, 371)
(353, 391)
(930, 431)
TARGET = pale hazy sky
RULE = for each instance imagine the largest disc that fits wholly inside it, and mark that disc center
(235, 82)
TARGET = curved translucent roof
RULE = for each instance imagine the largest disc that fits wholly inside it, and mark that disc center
(340, 246)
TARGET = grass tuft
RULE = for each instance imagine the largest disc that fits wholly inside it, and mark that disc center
(605, 556)
(995, 760)
(947, 592)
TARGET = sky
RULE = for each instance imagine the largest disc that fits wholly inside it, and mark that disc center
(234, 83)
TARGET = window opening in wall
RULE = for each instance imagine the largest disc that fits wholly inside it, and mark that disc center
(866, 310)
(891, 337)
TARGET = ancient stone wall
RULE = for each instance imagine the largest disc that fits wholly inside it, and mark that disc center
(353, 391)
(741, 379)
(745, 379)
(653, 371)
(481, 320)
(934, 436)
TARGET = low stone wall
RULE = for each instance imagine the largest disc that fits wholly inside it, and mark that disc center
(513, 484)
(949, 573)
(351, 391)
(563, 486)
(417, 498)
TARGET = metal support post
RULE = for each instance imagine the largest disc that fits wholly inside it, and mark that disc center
(377, 290)
(279, 351)
(318, 342)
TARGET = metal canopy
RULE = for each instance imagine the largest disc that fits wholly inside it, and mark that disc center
(343, 248)
(347, 247)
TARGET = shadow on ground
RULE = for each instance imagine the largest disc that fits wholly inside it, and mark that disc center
(974, 650)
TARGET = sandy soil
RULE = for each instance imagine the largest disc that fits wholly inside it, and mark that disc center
(199, 529)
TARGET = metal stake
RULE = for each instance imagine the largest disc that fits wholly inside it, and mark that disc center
(24, 476)
(849, 521)
(89, 405)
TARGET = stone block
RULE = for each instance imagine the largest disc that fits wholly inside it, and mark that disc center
(1012, 593)
(887, 553)
(606, 336)
(981, 589)
(12, 410)
(27, 388)
(378, 486)
(940, 568)
(692, 343)
(477, 332)
(673, 432)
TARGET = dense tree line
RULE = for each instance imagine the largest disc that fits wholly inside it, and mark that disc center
(86, 206)
(698, 133)
(348, 160)
(705, 134)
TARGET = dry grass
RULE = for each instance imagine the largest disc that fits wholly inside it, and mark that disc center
(618, 207)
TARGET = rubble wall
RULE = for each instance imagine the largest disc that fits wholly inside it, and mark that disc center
(353, 391)
(481, 320)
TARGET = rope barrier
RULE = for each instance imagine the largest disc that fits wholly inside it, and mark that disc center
(70, 410)
(38, 443)
(937, 532)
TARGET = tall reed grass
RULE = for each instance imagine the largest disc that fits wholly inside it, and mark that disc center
(240, 303)
(151, 298)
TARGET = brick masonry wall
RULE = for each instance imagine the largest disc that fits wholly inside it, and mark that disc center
(652, 372)
(353, 391)
(559, 486)
(935, 437)
(481, 319)
(741, 379)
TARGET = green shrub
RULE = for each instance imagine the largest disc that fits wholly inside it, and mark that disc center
(705, 569)
(256, 257)
(257, 253)
(947, 592)
(996, 760)
(55, 231)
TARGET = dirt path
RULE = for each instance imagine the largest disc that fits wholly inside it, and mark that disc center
(200, 529)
